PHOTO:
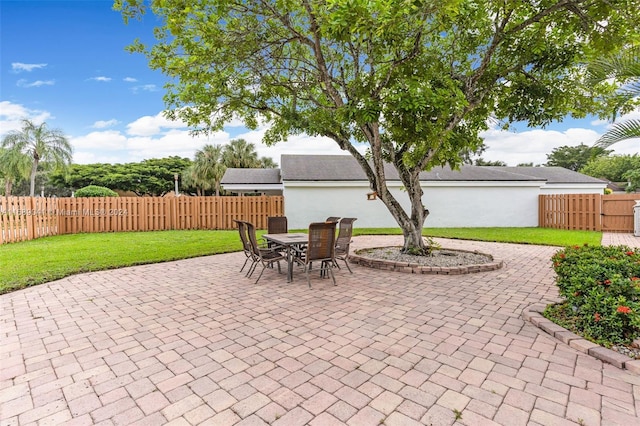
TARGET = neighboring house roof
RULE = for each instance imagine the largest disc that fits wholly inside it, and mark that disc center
(346, 168)
(318, 168)
(553, 175)
(251, 176)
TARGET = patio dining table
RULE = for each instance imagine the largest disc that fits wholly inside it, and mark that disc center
(290, 241)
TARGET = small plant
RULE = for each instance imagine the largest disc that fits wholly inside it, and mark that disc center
(457, 413)
(601, 287)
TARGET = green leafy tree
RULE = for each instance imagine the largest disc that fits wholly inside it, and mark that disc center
(14, 166)
(574, 157)
(154, 177)
(633, 180)
(612, 168)
(40, 144)
(207, 169)
(416, 81)
(624, 68)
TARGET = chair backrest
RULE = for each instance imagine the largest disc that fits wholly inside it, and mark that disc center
(345, 228)
(322, 238)
(332, 219)
(253, 240)
(277, 225)
(242, 229)
(345, 231)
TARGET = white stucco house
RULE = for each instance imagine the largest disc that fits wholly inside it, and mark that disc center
(318, 186)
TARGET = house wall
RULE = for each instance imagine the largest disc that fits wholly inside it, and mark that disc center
(451, 204)
(564, 188)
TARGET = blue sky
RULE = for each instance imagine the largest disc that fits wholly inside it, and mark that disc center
(64, 62)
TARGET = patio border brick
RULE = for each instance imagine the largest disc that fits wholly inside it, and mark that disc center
(533, 314)
(414, 268)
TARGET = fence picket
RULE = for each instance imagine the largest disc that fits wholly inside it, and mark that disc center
(25, 218)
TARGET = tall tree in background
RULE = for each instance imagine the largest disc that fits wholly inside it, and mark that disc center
(207, 169)
(415, 80)
(14, 166)
(624, 69)
(574, 157)
(240, 154)
(40, 144)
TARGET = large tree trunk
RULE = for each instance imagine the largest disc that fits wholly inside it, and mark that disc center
(8, 186)
(34, 169)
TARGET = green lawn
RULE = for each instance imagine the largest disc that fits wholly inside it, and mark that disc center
(47, 259)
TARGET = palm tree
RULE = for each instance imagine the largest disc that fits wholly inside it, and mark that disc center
(267, 163)
(240, 154)
(207, 169)
(624, 68)
(14, 166)
(40, 144)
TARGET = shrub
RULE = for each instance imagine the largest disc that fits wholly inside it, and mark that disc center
(95, 191)
(601, 286)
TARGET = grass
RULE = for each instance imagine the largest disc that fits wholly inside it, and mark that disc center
(539, 236)
(46, 259)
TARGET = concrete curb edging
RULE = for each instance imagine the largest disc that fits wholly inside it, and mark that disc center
(533, 314)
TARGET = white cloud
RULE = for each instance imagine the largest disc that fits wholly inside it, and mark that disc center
(11, 116)
(19, 66)
(130, 79)
(37, 83)
(108, 140)
(145, 88)
(153, 125)
(101, 79)
(101, 124)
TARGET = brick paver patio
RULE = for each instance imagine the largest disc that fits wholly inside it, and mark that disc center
(194, 342)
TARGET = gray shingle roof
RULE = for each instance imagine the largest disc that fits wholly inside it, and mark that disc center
(317, 168)
(346, 168)
(552, 174)
(251, 176)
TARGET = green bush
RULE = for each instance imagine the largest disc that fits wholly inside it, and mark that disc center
(95, 191)
(601, 286)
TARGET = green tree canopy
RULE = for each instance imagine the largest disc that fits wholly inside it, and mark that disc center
(612, 168)
(39, 143)
(414, 80)
(153, 177)
(574, 157)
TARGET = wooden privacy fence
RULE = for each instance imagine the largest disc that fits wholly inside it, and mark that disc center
(26, 218)
(587, 212)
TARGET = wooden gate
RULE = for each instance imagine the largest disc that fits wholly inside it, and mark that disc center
(617, 212)
(587, 212)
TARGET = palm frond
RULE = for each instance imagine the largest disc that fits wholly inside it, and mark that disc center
(620, 131)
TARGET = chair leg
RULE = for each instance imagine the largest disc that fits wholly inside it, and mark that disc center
(345, 262)
(332, 276)
(244, 264)
(306, 270)
(252, 268)
(261, 272)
